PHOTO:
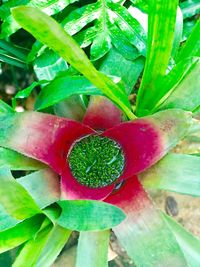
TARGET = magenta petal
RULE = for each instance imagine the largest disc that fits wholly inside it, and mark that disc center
(147, 140)
(101, 113)
(42, 136)
(141, 144)
(71, 189)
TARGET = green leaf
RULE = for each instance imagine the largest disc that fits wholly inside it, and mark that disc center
(122, 44)
(130, 26)
(174, 78)
(48, 31)
(93, 249)
(43, 249)
(187, 29)
(88, 215)
(19, 52)
(57, 238)
(26, 92)
(5, 108)
(111, 20)
(48, 65)
(10, 26)
(15, 161)
(161, 26)
(192, 46)
(175, 172)
(73, 108)
(62, 87)
(39, 182)
(189, 244)
(178, 33)
(6, 220)
(113, 64)
(184, 92)
(12, 60)
(22, 232)
(14, 198)
(190, 8)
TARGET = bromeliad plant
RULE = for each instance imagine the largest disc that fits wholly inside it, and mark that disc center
(92, 175)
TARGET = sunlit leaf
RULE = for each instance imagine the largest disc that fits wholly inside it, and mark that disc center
(43, 249)
(14, 198)
(22, 232)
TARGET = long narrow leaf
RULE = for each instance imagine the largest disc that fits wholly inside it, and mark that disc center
(48, 31)
(161, 26)
(22, 232)
(192, 46)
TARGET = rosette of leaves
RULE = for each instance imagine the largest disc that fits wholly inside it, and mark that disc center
(161, 89)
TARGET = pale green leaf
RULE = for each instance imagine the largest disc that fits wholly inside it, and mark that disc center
(93, 249)
(88, 215)
(175, 172)
(189, 244)
(39, 182)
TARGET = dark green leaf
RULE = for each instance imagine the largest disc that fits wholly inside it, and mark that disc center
(19, 52)
(88, 215)
(10, 59)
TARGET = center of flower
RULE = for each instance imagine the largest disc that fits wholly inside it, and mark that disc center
(96, 161)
